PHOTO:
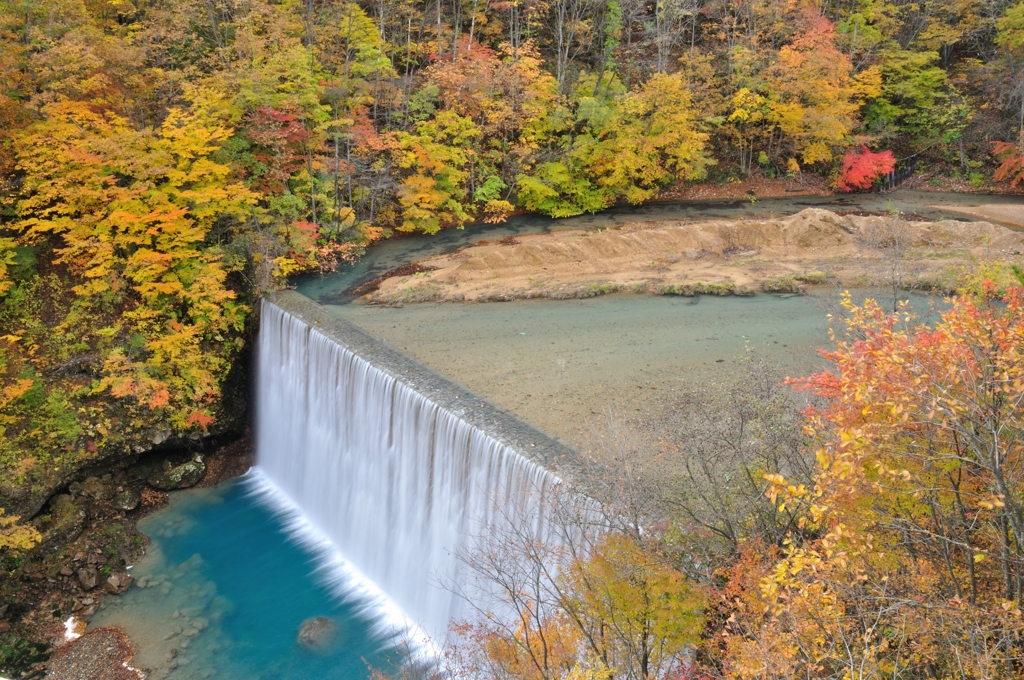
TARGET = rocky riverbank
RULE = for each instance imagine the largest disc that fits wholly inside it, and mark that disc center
(89, 543)
(102, 653)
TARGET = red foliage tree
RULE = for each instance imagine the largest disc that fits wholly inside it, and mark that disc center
(862, 166)
(1012, 163)
(280, 143)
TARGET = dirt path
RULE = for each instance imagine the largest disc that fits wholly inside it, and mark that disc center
(711, 257)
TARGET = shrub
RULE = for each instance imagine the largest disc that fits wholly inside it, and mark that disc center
(862, 166)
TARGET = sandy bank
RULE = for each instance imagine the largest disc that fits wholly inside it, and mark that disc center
(716, 257)
(1012, 215)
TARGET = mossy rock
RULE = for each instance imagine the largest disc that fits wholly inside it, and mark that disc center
(98, 489)
(127, 500)
(179, 477)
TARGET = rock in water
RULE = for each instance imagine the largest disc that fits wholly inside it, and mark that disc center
(317, 633)
(118, 583)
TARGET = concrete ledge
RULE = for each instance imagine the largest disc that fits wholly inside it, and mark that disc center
(547, 451)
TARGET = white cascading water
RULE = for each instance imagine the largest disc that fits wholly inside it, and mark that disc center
(397, 484)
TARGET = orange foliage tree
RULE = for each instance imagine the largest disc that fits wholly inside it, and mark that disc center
(815, 94)
(910, 553)
(1011, 162)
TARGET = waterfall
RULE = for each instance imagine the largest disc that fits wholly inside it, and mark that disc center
(397, 483)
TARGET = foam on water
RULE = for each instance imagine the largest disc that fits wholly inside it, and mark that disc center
(344, 580)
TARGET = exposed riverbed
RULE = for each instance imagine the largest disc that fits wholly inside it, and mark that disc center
(383, 257)
(719, 256)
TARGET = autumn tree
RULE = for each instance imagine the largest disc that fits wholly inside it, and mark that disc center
(585, 603)
(1011, 166)
(1011, 39)
(438, 157)
(814, 94)
(135, 229)
(629, 147)
(907, 559)
(14, 536)
(862, 167)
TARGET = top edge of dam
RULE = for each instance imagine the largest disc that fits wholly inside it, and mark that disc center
(526, 439)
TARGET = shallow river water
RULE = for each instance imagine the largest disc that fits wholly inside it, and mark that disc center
(560, 364)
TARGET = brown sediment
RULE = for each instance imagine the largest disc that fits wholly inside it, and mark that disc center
(1001, 213)
(373, 284)
(938, 182)
(813, 184)
(808, 184)
(710, 257)
(910, 217)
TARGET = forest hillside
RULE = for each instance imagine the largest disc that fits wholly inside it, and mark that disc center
(165, 161)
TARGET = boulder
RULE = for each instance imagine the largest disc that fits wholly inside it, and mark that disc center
(317, 633)
(126, 500)
(97, 488)
(180, 477)
(118, 582)
(88, 578)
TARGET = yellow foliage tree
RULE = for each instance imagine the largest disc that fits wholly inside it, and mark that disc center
(814, 96)
(437, 157)
(131, 210)
(652, 140)
(14, 536)
(621, 610)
